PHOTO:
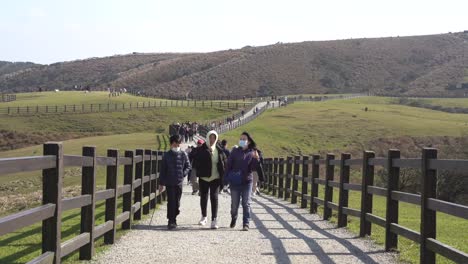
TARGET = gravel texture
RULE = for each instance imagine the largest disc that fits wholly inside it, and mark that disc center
(279, 233)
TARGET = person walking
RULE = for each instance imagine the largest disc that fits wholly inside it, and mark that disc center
(238, 174)
(175, 165)
(224, 146)
(193, 174)
(209, 163)
(258, 174)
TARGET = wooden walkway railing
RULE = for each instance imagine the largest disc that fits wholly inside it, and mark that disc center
(114, 107)
(284, 184)
(7, 97)
(139, 191)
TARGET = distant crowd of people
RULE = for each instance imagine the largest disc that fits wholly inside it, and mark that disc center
(185, 130)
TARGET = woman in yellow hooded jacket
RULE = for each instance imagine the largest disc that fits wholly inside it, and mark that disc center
(209, 163)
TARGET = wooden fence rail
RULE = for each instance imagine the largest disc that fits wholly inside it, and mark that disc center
(428, 202)
(7, 97)
(139, 191)
(114, 107)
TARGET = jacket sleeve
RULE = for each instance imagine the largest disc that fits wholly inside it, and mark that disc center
(163, 172)
(227, 169)
(187, 166)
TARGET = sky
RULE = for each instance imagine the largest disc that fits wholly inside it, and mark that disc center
(49, 31)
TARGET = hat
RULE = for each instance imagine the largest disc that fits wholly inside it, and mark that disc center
(200, 142)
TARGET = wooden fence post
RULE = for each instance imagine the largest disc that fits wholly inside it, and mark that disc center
(154, 183)
(275, 176)
(88, 187)
(128, 197)
(281, 178)
(139, 176)
(295, 185)
(329, 175)
(391, 239)
(52, 180)
(147, 185)
(287, 191)
(270, 176)
(428, 216)
(305, 173)
(344, 194)
(366, 197)
(111, 203)
(158, 168)
(314, 185)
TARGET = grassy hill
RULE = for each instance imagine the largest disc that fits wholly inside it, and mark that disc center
(305, 128)
(417, 65)
(344, 126)
(25, 130)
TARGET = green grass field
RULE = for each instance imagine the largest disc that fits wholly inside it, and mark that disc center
(150, 120)
(306, 128)
(78, 98)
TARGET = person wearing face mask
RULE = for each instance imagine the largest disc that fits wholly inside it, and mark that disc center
(238, 174)
(175, 165)
(209, 162)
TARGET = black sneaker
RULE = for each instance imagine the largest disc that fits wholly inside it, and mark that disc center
(246, 228)
(233, 223)
(171, 226)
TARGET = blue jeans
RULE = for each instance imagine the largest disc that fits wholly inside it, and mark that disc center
(243, 191)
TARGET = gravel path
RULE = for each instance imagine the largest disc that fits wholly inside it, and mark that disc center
(280, 233)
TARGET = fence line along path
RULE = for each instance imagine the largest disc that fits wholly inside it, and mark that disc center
(279, 233)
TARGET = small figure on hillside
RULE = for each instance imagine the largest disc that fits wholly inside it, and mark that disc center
(366, 109)
(175, 165)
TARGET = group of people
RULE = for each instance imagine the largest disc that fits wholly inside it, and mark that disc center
(185, 130)
(212, 169)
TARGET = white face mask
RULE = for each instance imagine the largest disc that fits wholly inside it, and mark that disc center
(242, 143)
(176, 149)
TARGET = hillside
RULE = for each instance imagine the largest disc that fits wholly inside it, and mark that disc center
(435, 65)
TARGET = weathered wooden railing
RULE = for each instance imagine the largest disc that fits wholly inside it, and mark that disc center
(139, 191)
(114, 107)
(284, 184)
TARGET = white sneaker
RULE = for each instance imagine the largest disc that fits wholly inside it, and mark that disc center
(203, 221)
(214, 224)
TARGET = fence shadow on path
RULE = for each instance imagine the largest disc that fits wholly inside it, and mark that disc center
(279, 250)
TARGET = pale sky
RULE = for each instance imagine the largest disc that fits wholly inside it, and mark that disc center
(47, 31)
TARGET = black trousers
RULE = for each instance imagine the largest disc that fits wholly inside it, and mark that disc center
(213, 188)
(174, 193)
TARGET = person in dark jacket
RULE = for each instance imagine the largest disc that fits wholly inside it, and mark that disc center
(209, 163)
(241, 163)
(175, 165)
(258, 175)
(224, 145)
(193, 174)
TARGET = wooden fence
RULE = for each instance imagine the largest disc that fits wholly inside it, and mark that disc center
(139, 191)
(7, 97)
(113, 107)
(284, 184)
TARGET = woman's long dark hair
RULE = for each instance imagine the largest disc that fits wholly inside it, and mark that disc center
(252, 144)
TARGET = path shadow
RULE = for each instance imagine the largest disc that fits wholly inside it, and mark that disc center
(313, 245)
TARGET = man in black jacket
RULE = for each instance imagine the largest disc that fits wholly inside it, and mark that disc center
(174, 167)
